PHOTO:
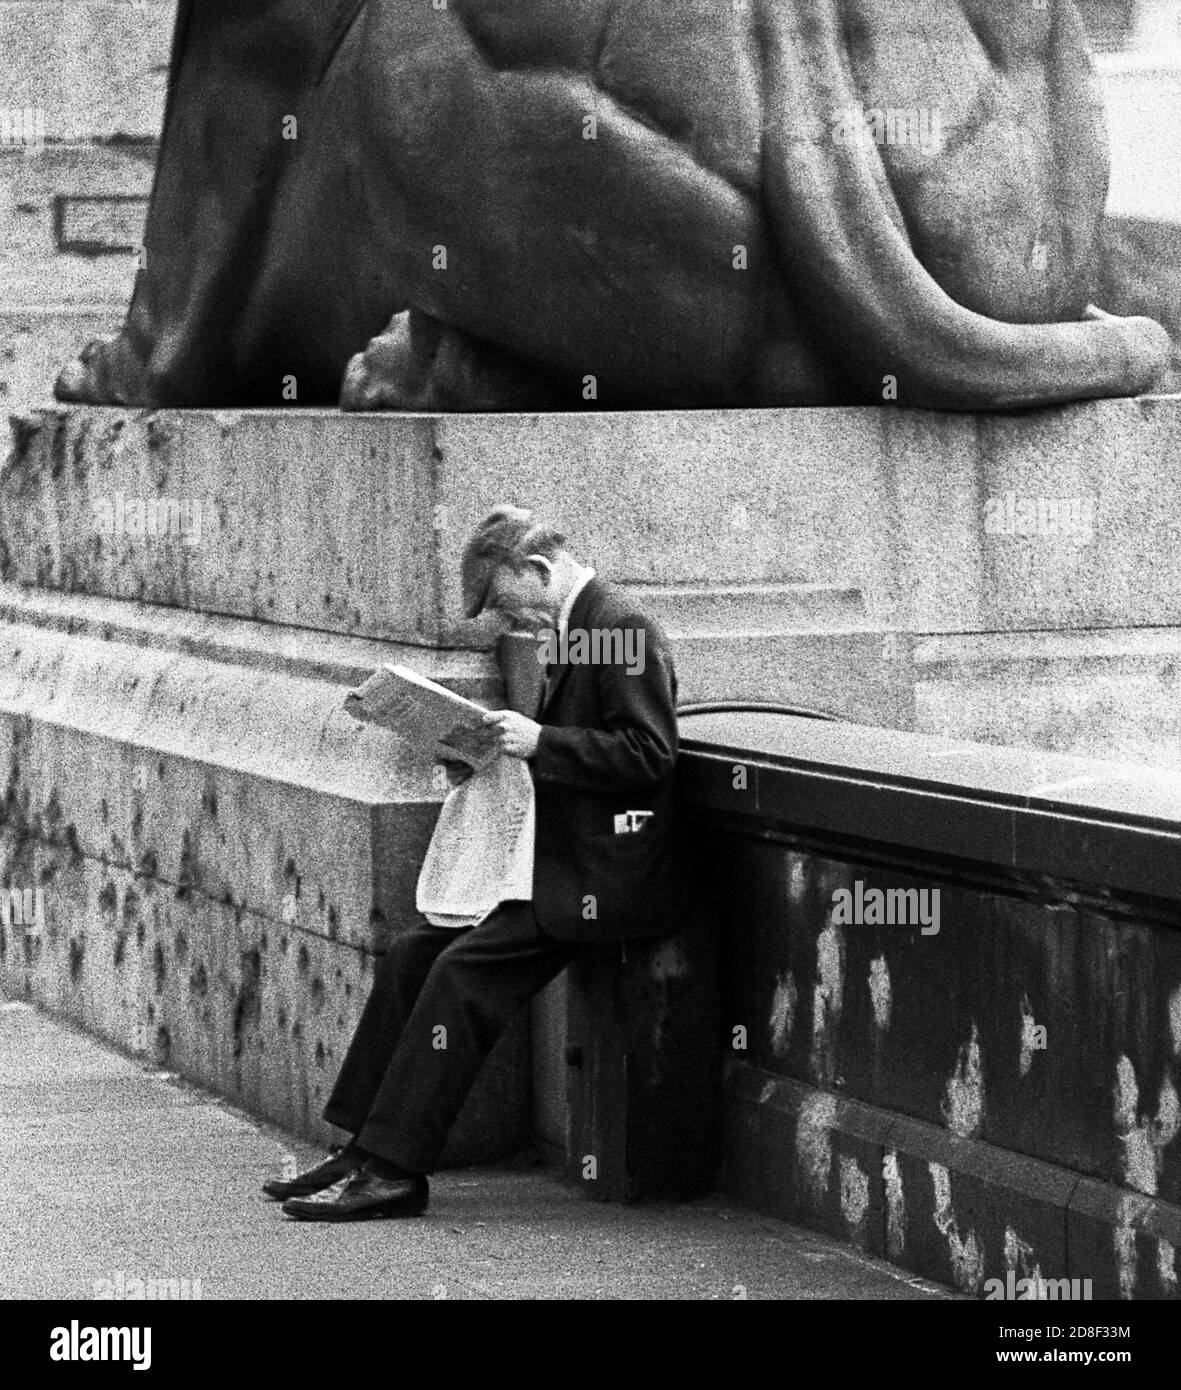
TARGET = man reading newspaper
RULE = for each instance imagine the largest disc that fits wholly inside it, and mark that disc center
(601, 753)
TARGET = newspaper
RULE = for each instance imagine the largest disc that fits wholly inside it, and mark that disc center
(481, 853)
(424, 711)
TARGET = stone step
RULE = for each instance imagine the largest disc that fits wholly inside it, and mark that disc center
(238, 642)
(241, 786)
(1104, 694)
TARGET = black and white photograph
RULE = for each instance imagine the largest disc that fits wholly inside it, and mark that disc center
(590, 671)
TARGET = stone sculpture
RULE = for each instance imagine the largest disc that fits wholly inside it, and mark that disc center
(565, 204)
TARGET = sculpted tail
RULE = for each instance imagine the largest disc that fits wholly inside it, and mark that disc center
(843, 242)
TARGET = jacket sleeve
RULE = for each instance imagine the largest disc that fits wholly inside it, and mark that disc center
(637, 746)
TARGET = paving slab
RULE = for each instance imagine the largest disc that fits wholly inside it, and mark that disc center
(112, 1171)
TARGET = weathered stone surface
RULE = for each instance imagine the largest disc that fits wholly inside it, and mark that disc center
(372, 547)
(789, 520)
(1126, 1244)
(258, 1010)
(1033, 1004)
(1005, 1060)
(164, 761)
(965, 1212)
(954, 1208)
(807, 1156)
(801, 556)
(238, 642)
(265, 530)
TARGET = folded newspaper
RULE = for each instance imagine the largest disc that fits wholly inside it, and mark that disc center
(481, 852)
(422, 710)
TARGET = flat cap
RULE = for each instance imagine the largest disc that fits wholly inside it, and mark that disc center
(504, 534)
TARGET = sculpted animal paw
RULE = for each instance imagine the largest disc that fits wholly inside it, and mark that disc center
(91, 378)
(421, 364)
(386, 375)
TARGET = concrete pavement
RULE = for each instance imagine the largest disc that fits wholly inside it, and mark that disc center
(111, 1173)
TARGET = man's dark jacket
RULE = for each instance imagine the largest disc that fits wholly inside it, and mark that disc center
(608, 746)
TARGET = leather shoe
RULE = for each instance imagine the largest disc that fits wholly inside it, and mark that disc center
(316, 1179)
(363, 1196)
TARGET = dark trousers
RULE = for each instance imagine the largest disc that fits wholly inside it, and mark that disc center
(439, 1002)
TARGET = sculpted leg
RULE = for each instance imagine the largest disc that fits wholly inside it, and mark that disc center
(240, 73)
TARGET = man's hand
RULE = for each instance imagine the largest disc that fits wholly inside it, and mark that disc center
(516, 735)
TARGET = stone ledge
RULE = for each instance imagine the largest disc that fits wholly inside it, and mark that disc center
(274, 647)
(243, 785)
(935, 800)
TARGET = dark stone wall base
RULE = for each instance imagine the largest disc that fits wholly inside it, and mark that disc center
(956, 1210)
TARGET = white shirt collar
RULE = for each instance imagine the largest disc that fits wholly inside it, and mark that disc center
(585, 575)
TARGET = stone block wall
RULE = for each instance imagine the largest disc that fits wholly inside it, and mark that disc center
(974, 1076)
